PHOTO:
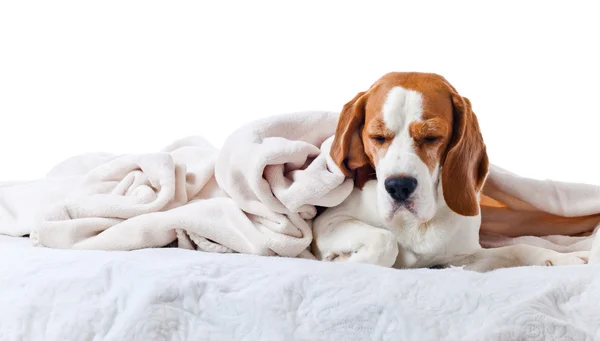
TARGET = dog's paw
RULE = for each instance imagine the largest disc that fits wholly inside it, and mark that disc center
(337, 257)
(383, 254)
(369, 245)
(572, 258)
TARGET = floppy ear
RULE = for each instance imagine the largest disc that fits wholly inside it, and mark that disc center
(347, 149)
(465, 166)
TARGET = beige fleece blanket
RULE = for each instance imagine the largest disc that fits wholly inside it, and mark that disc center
(257, 195)
(556, 215)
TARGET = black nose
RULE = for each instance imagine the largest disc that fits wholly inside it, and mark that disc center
(400, 188)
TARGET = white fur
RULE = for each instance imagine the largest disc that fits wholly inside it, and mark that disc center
(403, 100)
(368, 228)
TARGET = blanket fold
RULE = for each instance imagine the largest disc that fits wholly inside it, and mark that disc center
(516, 206)
(256, 195)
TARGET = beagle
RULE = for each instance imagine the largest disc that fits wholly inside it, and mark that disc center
(415, 151)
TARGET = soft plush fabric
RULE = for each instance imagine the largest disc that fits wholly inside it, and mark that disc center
(256, 195)
(271, 174)
(174, 294)
(514, 206)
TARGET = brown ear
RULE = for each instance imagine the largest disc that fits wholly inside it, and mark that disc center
(347, 149)
(465, 166)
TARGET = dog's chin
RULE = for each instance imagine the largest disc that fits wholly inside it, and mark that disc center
(407, 210)
(395, 211)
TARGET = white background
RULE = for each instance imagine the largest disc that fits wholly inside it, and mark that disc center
(131, 76)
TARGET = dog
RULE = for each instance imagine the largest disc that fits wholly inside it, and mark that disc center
(414, 148)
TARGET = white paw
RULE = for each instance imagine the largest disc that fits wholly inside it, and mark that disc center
(572, 258)
(381, 249)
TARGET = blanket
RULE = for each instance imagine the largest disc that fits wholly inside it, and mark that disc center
(555, 215)
(257, 195)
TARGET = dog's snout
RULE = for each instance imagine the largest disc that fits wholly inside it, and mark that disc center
(400, 188)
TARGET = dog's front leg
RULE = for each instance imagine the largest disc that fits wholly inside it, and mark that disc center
(354, 241)
(518, 255)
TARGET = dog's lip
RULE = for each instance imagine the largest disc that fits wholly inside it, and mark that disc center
(408, 205)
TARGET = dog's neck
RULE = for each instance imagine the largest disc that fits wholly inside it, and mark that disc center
(425, 244)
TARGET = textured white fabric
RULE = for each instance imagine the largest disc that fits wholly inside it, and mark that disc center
(565, 199)
(174, 294)
(271, 173)
(541, 208)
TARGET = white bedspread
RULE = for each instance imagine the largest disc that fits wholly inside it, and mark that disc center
(176, 294)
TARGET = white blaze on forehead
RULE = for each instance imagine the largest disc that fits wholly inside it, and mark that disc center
(401, 107)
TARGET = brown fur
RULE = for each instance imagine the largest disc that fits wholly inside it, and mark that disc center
(460, 149)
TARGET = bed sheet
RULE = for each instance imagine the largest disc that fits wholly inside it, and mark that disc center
(175, 294)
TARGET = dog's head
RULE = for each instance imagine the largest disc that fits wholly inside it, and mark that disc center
(413, 132)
